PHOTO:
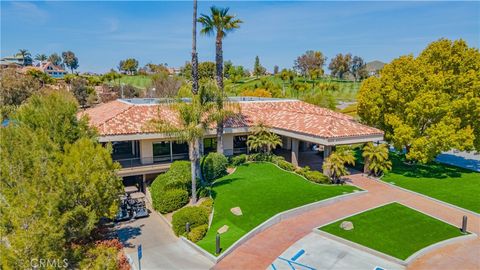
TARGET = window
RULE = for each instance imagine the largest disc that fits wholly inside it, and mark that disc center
(240, 141)
(209, 145)
(161, 149)
(179, 147)
(122, 150)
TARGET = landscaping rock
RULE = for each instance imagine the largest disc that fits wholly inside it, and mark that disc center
(237, 211)
(346, 225)
(223, 229)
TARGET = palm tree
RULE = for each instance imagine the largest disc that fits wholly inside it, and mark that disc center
(192, 122)
(220, 23)
(24, 53)
(376, 159)
(41, 57)
(194, 51)
(263, 140)
(334, 165)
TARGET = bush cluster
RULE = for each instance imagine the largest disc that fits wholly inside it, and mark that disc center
(286, 165)
(314, 176)
(195, 215)
(170, 191)
(196, 234)
(238, 160)
(171, 200)
(207, 204)
(214, 166)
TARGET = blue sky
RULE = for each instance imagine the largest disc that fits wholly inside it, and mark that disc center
(103, 33)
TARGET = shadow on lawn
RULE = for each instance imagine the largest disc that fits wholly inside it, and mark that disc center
(221, 183)
(430, 170)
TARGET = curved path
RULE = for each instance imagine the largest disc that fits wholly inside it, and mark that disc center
(265, 247)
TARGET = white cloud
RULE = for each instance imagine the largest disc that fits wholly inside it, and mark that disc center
(28, 12)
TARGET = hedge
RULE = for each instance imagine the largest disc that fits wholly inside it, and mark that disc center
(195, 215)
(214, 166)
(176, 179)
(171, 200)
(238, 160)
(286, 165)
(196, 234)
(207, 204)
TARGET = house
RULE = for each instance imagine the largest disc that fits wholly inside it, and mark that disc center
(8, 64)
(54, 71)
(17, 60)
(143, 152)
(374, 67)
(49, 68)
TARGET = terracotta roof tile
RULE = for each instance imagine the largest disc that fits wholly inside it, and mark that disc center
(119, 118)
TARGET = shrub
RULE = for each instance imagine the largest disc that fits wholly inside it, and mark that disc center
(196, 234)
(239, 160)
(286, 165)
(207, 204)
(260, 157)
(203, 191)
(195, 215)
(171, 200)
(314, 176)
(317, 177)
(214, 166)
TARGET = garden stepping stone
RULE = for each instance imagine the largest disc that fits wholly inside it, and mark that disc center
(223, 229)
(346, 225)
(237, 211)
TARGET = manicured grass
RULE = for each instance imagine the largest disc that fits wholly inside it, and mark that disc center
(261, 190)
(139, 81)
(394, 229)
(454, 185)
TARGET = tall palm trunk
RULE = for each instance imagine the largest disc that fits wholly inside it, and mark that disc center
(219, 77)
(194, 155)
(194, 51)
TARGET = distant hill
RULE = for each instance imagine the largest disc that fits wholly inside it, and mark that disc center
(374, 67)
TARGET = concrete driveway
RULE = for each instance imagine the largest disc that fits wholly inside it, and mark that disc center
(161, 248)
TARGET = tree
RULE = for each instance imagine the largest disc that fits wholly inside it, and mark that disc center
(81, 90)
(228, 66)
(194, 72)
(314, 74)
(165, 86)
(275, 70)
(358, 68)
(427, 104)
(376, 159)
(334, 165)
(55, 113)
(308, 61)
(70, 60)
(221, 23)
(26, 57)
(340, 64)
(41, 76)
(54, 192)
(16, 87)
(41, 57)
(193, 119)
(55, 59)
(258, 69)
(263, 140)
(129, 66)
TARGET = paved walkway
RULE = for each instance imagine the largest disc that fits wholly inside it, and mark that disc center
(265, 247)
(161, 249)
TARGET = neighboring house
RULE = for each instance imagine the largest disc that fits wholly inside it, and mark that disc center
(143, 152)
(49, 68)
(374, 67)
(18, 60)
(8, 64)
(173, 71)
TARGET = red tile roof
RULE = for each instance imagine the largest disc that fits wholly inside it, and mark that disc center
(122, 118)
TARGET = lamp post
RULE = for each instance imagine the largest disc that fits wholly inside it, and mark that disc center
(121, 87)
(153, 91)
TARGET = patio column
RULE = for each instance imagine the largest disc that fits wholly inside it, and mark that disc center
(327, 150)
(295, 156)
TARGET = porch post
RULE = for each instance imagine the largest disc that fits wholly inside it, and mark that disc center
(144, 183)
(295, 156)
(327, 151)
(171, 152)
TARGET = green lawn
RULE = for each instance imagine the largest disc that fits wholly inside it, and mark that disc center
(395, 230)
(261, 190)
(454, 185)
(139, 81)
